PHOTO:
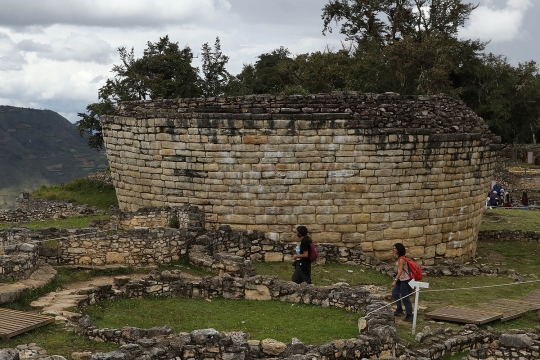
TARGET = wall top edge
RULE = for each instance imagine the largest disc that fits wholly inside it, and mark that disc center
(439, 113)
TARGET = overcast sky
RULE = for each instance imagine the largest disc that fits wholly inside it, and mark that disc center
(55, 54)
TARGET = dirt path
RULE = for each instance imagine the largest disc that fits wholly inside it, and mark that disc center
(61, 302)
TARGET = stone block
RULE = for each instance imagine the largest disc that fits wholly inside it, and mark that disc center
(257, 292)
(273, 256)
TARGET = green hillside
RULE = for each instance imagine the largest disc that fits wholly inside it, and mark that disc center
(40, 147)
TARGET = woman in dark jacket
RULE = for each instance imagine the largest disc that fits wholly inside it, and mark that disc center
(302, 264)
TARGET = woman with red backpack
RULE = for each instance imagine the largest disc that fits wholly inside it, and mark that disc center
(400, 285)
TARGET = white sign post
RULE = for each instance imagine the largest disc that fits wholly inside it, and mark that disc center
(416, 285)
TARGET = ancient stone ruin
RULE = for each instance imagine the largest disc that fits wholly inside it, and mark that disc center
(354, 168)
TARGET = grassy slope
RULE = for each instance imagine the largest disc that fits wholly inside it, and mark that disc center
(81, 191)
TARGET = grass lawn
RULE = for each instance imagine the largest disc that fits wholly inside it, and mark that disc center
(58, 341)
(511, 219)
(261, 319)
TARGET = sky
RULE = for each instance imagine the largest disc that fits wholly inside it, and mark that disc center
(56, 54)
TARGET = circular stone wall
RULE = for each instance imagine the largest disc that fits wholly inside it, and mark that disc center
(354, 168)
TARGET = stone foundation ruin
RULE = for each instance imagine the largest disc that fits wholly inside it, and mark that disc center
(354, 168)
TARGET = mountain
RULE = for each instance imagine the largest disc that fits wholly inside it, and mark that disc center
(40, 147)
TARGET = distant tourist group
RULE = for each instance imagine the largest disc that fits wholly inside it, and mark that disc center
(497, 197)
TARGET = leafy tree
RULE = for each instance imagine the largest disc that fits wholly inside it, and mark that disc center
(215, 76)
(508, 98)
(322, 72)
(271, 74)
(164, 71)
(388, 21)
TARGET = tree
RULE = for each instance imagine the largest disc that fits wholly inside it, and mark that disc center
(271, 74)
(164, 71)
(215, 76)
(388, 21)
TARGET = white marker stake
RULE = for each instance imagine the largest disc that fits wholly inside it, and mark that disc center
(416, 285)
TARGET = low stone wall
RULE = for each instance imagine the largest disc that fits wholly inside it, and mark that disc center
(144, 246)
(135, 247)
(483, 344)
(509, 347)
(508, 235)
(188, 217)
(101, 176)
(33, 209)
(18, 262)
(377, 340)
(222, 263)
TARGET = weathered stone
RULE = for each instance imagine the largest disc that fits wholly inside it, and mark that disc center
(515, 340)
(273, 347)
(205, 336)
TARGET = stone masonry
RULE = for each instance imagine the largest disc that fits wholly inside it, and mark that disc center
(354, 168)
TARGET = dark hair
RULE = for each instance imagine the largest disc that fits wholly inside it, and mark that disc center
(524, 194)
(302, 230)
(400, 249)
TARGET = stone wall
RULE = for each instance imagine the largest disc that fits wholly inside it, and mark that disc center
(34, 209)
(377, 339)
(483, 344)
(509, 235)
(18, 262)
(222, 247)
(355, 169)
(188, 217)
(135, 247)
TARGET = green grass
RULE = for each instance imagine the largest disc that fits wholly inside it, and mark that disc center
(261, 319)
(57, 341)
(81, 191)
(511, 219)
(524, 257)
(76, 222)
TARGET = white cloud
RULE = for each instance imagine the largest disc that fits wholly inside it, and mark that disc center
(75, 47)
(26, 15)
(10, 58)
(497, 24)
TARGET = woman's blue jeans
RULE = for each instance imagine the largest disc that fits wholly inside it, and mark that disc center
(400, 290)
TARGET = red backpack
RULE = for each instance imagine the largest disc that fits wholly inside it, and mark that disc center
(313, 253)
(415, 271)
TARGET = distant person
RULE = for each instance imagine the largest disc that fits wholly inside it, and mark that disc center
(493, 199)
(497, 188)
(302, 263)
(400, 285)
(501, 197)
(508, 202)
(525, 201)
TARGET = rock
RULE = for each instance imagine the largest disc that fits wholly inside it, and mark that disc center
(160, 331)
(113, 355)
(516, 341)
(27, 248)
(133, 334)
(86, 355)
(204, 336)
(85, 322)
(9, 354)
(273, 347)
